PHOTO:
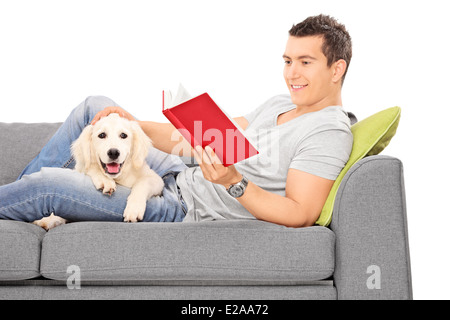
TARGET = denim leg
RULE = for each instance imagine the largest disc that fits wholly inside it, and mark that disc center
(72, 196)
(56, 153)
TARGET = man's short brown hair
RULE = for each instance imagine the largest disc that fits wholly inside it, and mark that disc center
(337, 43)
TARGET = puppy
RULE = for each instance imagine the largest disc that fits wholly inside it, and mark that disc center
(111, 152)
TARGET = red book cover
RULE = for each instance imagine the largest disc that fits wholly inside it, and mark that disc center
(201, 122)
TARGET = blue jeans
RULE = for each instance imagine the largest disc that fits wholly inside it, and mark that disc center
(49, 185)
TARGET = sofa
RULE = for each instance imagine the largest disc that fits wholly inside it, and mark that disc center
(362, 254)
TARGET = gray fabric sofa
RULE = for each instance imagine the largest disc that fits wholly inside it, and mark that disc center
(364, 254)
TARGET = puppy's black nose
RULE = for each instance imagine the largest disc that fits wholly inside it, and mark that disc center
(113, 154)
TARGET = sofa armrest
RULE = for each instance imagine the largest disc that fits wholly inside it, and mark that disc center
(369, 220)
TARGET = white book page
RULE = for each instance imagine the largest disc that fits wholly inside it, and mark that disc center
(181, 96)
(167, 99)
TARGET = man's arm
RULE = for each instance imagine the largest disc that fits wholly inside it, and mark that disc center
(166, 137)
(305, 196)
(305, 193)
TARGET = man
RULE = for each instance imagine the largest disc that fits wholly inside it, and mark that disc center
(317, 56)
(304, 141)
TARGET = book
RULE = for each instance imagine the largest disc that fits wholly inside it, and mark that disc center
(202, 122)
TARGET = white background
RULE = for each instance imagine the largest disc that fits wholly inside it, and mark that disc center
(54, 53)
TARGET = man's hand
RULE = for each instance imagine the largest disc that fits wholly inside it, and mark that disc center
(213, 169)
(108, 110)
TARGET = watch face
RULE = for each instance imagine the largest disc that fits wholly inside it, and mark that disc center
(236, 191)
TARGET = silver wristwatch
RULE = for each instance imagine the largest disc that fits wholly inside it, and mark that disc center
(237, 190)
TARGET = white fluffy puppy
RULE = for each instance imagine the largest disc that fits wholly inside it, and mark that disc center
(113, 151)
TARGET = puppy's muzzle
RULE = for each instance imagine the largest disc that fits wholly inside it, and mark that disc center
(112, 167)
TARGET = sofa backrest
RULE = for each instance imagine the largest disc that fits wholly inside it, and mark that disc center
(19, 144)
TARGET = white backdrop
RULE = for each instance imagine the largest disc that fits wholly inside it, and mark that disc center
(54, 53)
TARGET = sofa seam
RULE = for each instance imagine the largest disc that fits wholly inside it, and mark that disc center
(311, 271)
(197, 266)
(405, 229)
(64, 233)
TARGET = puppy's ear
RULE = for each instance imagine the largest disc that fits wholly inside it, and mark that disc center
(82, 150)
(141, 145)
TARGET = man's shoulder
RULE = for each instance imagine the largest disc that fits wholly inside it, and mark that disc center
(329, 119)
(334, 113)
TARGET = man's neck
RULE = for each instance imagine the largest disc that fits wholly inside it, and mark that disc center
(327, 102)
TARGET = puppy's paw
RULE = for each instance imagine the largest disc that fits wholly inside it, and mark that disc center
(134, 212)
(50, 222)
(107, 186)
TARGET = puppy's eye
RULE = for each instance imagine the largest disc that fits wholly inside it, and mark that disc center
(123, 135)
(102, 135)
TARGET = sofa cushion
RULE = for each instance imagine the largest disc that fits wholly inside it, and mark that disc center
(215, 250)
(370, 137)
(21, 142)
(20, 250)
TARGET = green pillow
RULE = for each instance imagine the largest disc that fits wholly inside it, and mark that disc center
(370, 137)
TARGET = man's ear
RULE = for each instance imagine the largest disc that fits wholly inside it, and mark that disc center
(339, 70)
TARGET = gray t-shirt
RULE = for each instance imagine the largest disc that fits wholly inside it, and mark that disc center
(318, 143)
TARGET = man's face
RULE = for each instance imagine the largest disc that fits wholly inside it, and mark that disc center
(307, 75)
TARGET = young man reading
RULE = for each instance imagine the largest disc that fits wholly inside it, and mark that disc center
(304, 140)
